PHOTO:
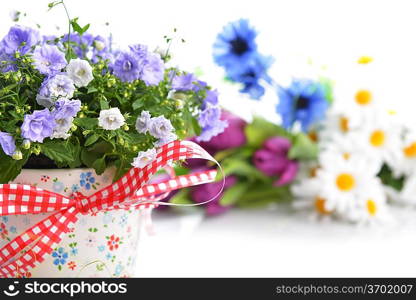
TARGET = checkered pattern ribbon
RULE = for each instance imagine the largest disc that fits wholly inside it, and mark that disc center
(129, 192)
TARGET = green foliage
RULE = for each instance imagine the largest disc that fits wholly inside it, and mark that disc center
(303, 148)
(260, 130)
(387, 177)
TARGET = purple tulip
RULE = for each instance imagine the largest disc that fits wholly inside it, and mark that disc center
(273, 160)
(205, 192)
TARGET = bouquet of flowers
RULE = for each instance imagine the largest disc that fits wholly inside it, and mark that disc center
(73, 100)
(338, 150)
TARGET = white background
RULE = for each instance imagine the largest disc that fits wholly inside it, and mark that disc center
(331, 35)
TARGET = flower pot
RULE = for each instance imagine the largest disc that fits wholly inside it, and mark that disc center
(100, 245)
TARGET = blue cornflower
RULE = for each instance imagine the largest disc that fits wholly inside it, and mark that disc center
(251, 74)
(60, 256)
(303, 101)
(235, 44)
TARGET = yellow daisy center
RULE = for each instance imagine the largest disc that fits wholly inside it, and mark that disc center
(344, 124)
(345, 182)
(363, 97)
(377, 138)
(313, 136)
(320, 206)
(371, 207)
(363, 60)
(410, 151)
(313, 171)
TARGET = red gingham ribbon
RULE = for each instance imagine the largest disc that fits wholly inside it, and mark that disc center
(131, 191)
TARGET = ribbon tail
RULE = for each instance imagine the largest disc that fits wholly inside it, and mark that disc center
(30, 247)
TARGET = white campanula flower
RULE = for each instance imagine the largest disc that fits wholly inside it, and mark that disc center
(144, 158)
(62, 128)
(111, 119)
(80, 72)
(161, 128)
(143, 122)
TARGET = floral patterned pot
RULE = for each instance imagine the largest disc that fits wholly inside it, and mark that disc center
(100, 245)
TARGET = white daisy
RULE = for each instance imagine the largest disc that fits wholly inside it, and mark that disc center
(370, 206)
(307, 195)
(403, 160)
(379, 135)
(342, 180)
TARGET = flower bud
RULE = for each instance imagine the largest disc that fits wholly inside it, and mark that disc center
(36, 150)
(17, 155)
(26, 144)
(126, 127)
(74, 127)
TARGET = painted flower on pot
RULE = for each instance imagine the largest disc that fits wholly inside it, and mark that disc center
(60, 257)
(87, 181)
(3, 231)
(72, 265)
(113, 242)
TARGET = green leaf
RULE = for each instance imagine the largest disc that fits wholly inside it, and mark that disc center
(196, 127)
(104, 104)
(61, 153)
(303, 148)
(387, 178)
(91, 139)
(232, 194)
(243, 168)
(91, 90)
(260, 130)
(181, 197)
(258, 195)
(137, 104)
(11, 168)
(99, 165)
(86, 123)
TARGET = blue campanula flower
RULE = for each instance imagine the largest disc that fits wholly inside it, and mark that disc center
(304, 101)
(153, 69)
(38, 125)
(185, 82)
(235, 44)
(19, 38)
(48, 59)
(126, 66)
(212, 130)
(7, 143)
(65, 109)
(58, 85)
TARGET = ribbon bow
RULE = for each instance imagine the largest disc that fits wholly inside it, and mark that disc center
(129, 192)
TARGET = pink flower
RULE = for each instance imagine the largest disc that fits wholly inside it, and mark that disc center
(273, 160)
